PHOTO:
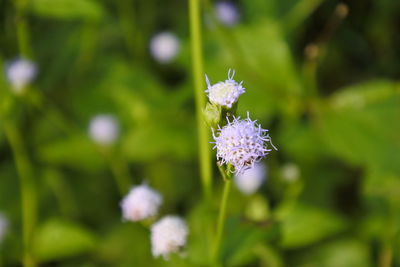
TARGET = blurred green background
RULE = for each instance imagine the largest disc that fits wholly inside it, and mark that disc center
(322, 76)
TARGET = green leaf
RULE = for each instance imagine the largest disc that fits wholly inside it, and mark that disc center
(58, 239)
(241, 239)
(75, 151)
(305, 225)
(346, 252)
(67, 9)
(361, 124)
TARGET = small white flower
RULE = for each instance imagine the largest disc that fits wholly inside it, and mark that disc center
(20, 73)
(290, 172)
(251, 179)
(168, 235)
(141, 203)
(164, 47)
(227, 13)
(104, 129)
(241, 143)
(3, 227)
(225, 93)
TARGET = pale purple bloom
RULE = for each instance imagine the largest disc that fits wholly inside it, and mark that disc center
(168, 235)
(104, 129)
(164, 47)
(227, 13)
(241, 143)
(142, 202)
(20, 73)
(225, 93)
(251, 179)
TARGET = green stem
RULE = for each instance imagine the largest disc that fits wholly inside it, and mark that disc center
(221, 219)
(198, 75)
(119, 170)
(22, 28)
(132, 38)
(28, 192)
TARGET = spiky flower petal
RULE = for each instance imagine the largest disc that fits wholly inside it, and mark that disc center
(225, 93)
(168, 235)
(141, 203)
(241, 143)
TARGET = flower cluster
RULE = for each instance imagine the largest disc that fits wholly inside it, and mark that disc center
(225, 93)
(241, 143)
(141, 203)
(168, 235)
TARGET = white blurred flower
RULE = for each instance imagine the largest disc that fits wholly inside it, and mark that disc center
(290, 172)
(20, 73)
(227, 13)
(104, 129)
(168, 235)
(3, 227)
(242, 143)
(164, 47)
(251, 179)
(141, 203)
(225, 93)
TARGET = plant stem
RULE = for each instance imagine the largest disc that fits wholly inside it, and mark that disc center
(198, 75)
(28, 192)
(221, 218)
(120, 173)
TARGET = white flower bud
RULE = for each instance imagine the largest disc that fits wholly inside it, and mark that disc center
(20, 73)
(168, 235)
(104, 129)
(225, 93)
(164, 47)
(251, 179)
(142, 202)
(227, 13)
(242, 143)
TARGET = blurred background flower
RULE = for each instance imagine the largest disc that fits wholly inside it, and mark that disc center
(101, 95)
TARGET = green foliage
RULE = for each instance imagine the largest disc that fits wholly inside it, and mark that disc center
(323, 82)
(57, 239)
(67, 9)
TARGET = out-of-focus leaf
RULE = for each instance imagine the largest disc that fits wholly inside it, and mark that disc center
(76, 151)
(120, 245)
(306, 225)
(361, 125)
(301, 142)
(58, 239)
(67, 9)
(242, 237)
(382, 184)
(346, 252)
